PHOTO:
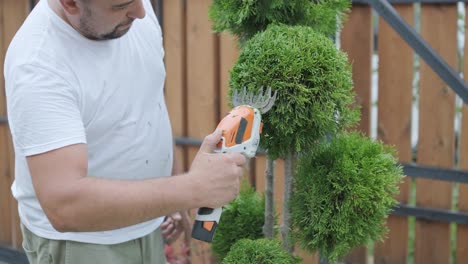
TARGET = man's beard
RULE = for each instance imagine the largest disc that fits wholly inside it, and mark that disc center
(89, 33)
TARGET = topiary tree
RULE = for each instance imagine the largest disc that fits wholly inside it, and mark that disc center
(241, 218)
(246, 18)
(343, 192)
(260, 251)
(315, 92)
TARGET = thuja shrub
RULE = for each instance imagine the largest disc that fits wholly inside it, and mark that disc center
(245, 18)
(343, 193)
(241, 218)
(260, 251)
(313, 80)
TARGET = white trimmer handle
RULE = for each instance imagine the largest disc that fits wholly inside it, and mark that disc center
(206, 221)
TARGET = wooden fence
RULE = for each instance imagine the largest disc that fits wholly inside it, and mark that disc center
(198, 64)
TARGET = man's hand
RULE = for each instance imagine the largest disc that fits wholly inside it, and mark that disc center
(219, 175)
(171, 229)
(174, 225)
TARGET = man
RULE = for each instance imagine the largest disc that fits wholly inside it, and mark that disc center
(93, 146)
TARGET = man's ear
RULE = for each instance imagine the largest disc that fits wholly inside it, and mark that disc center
(70, 6)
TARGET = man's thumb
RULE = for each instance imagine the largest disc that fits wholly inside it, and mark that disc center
(210, 141)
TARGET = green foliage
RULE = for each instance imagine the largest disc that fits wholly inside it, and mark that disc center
(245, 18)
(241, 218)
(260, 251)
(343, 192)
(313, 80)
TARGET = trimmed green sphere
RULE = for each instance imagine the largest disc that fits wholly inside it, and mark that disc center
(343, 192)
(260, 251)
(245, 18)
(241, 218)
(314, 84)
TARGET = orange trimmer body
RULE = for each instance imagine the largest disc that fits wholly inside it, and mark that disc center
(237, 126)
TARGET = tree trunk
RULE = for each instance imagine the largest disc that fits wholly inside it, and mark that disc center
(268, 227)
(288, 182)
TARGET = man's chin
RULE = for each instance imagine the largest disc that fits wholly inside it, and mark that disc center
(117, 33)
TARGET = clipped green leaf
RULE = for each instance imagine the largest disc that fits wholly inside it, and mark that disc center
(260, 251)
(343, 192)
(314, 84)
(245, 18)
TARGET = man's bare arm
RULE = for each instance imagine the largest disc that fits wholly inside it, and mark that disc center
(74, 201)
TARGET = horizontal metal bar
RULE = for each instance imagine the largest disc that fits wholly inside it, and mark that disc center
(412, 170)
(435, 173)
(12, 256)
(444, 2)
(184, 141)
(3, 120)
(432, 214)
(420, 46)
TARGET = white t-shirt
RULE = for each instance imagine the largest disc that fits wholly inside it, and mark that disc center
(64, 89)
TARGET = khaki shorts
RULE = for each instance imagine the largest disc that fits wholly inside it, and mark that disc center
(145, 250)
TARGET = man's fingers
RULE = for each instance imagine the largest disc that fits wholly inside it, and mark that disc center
(173, 235)
(239, 159)
(176, 216)
(166, 222)
(210, 141)
(174, 225)
(168, 230)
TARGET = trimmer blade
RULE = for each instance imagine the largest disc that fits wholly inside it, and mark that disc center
(262, 101)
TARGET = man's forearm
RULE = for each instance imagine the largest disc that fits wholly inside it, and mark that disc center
(74, 201)
(95, 204)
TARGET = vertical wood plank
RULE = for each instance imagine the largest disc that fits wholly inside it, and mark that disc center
(202, 84)
(5, 220)
(202, 89)
(394, 124)
(173, 27)
(16, 235)
(436, 132)
(462, 230)
(175, 57)
(307, 258)
(229, 52)
(260, 172)
(357, 42)
(12, 15)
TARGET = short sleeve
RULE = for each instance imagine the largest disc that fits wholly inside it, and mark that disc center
(150, 13)
(43, 111)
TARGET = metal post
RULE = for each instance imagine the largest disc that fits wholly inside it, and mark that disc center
(32, 3)
(3, 120)
(322, 259)
(160, 12)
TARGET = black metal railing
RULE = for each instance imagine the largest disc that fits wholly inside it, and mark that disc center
(419, 45)
(411, 170)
